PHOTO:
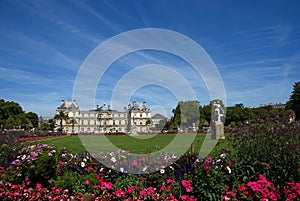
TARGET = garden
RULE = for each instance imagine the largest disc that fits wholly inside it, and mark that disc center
(257, 161)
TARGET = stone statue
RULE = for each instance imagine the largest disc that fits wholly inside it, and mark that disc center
(218, 118)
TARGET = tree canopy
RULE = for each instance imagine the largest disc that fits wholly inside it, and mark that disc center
(12, 116)
(294, 102)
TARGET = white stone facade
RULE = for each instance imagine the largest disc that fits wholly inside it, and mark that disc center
(103, 119)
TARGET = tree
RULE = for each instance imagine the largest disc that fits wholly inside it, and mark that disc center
(186, 114)
(294, 102)
(61, 116)
(72, 121)
(33, 118)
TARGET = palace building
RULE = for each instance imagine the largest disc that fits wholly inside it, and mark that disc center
(135, 118)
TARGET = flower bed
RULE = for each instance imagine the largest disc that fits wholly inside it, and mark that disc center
(42, 172)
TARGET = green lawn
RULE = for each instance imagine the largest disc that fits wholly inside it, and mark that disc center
(140, 144)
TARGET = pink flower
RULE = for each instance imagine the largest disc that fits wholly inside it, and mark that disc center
(87, 182)
(230, 193)
(27, 181)
(130, 190)
(142, 159)
(162, 188)
(38, 185)
(143, 193)
(171, 181)
(150, 190)
(208, 160)
(187, 198)
(119, 193)
(134, 163)
(225, 197)
(292, 196)
(108, 185)
(187, 185)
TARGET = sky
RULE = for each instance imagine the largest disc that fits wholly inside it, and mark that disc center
(45, 45)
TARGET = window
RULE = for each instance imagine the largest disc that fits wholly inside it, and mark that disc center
(141, 115)
(141, 123)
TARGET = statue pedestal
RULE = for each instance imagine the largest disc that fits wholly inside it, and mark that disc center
(218, 130)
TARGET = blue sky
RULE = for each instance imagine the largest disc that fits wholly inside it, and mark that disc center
(255, 46)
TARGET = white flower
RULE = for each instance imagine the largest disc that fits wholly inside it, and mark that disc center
(218, 160)
(145, 168)
(223, 156)
(82, 164)
(229, 170)
(24, 156)
(121, 169)
(162, 171)
(101, 169)
(84, 159)
(113, 159)
(171, 168)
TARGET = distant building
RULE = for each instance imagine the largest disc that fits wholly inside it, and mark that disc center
(43, 120)
(157, 119)
(139, 117)
(278, 106)
(274, 105)
(104, 119)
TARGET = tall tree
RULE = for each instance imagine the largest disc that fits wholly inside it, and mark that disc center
(294, 102)
(61, 116)
(33, 118)
(186, 114)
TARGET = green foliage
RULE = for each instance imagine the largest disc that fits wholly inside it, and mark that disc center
(75, 182)
(12, 116)
(294, 102)
(33, 163)
(186, 114)
(61, 116)
(209, 177)
(269, 147)
(126, 181)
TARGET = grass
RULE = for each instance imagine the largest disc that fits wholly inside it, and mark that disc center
(140, 144)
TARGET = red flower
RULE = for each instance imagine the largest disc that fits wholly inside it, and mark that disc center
(206, 167)
(89, 168)
(241, 188)
(87, 182)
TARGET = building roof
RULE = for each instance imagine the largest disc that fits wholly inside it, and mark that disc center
(158, 116)
(68, 105)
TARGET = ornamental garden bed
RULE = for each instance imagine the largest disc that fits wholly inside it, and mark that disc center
(257, 162)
